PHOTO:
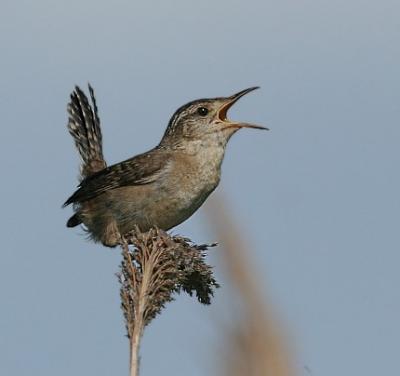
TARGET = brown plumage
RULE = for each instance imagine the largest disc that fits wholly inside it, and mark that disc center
(162, 187)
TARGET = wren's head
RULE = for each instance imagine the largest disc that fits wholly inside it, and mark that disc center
(205, 120)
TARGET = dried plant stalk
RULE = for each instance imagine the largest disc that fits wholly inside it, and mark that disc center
(154, 267)
(255, 343)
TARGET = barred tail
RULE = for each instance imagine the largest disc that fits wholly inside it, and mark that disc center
(84, 127)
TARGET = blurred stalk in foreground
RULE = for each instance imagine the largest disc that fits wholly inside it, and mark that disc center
(156, 265)
(254, 344)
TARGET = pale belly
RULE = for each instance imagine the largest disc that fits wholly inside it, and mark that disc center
(177, 209)
(164, 208)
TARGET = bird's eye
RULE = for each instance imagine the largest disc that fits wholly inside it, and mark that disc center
(202, 111)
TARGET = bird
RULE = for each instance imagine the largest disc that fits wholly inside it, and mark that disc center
(159, 188)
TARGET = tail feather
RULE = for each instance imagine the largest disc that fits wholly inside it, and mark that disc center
(84, 127)
(74, 221)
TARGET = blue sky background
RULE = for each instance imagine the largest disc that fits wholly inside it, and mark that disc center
(318, 195)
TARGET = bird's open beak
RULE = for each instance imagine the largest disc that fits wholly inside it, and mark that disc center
(230, 101)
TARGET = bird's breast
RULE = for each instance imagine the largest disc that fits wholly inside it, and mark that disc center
(194, 177)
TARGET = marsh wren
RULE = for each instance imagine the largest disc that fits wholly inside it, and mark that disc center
(162, 187)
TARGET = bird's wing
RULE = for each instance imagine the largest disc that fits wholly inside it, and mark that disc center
(142, 169)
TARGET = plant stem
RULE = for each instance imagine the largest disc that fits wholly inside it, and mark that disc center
(136, 327)
(135, 345)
